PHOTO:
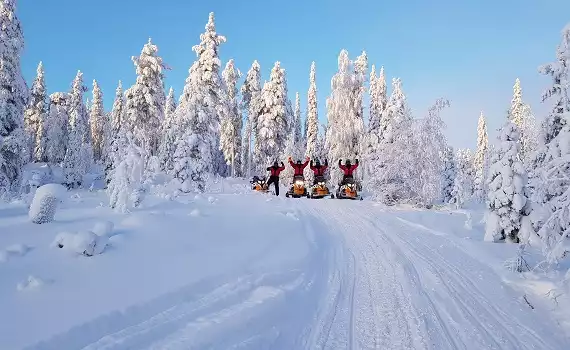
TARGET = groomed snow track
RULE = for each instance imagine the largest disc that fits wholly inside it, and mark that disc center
(371, 281)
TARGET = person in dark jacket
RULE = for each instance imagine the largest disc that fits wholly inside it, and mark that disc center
(347, 169)
(298, 167)
(275, 170)
(319, 170)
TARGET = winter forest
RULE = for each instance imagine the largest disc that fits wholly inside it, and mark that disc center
(215, 128)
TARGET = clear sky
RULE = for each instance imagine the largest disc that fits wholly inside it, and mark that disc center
(468, 51)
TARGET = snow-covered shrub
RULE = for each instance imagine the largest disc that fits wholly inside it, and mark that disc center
(44, 204)
(83, 242)
(508, 201)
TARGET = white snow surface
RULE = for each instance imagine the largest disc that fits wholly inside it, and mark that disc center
(253, 273)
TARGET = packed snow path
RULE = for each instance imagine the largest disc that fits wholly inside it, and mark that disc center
(371, 280)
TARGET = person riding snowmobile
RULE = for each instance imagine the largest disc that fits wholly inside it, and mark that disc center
(319, 170)
(275, 170)
(298, 167)
(347, 169)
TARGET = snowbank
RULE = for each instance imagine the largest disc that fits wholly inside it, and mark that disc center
(83, 242)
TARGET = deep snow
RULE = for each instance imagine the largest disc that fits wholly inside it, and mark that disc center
(244, 270)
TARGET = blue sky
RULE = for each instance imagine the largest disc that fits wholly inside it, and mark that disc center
(467, 51)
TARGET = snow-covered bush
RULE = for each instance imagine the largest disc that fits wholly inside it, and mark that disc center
(83, 242)
(44, 204)
(508, 201)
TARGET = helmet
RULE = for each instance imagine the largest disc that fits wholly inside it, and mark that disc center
(347, 162)
(275, 164)
(317, 162)
(298, 161)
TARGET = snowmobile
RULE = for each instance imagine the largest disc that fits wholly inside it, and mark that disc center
(320, 189)
(298, 188)
(349, 190)
(259, 184)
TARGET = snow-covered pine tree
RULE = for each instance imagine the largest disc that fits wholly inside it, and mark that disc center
(126, 178)
(56, 128)
(312, 118)
(359, 80)
(117, 118)
(118, 111)
(230, 140)
(480, 162)
(507, 199)
(297, 127)
(79, 154)
(377, 106)
(14, 96)
(198, 114)
(462, 191)
(392, 167)
(375, 112)
(273, 117)
(520, 113)
(250, 92)
(449, 173)
(35, 114)
(553, 159)
(429, 146)
(145, 101)
(97, 121)
(343, 131)
(168, 142)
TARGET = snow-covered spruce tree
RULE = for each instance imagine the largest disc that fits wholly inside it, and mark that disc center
(117, 117)
(35, 114)
(429, 146)
(198, 114)
(462, 191)
(507, 199)
(297, 127)
(388, 173)
(126, 179)
(449, 173)
(168, 142)
(13, 99)
(553, 159)
(56, 128)
(272, 124)
(377, 106)
(312, 118)
(144, 110)
(79, 154)
(343, 131)
(250, 92)
(230, 141)
(480, 162)
(520, 113)
(97, 121)
(359, 79)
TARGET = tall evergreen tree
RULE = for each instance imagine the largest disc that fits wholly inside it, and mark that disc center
(521, 115)
(35, 114)
(56, 128)
(343, 131)
(312, 118)
(144, 110)
(198, 115)
(553, 160)
(14, 96)
(462, 191)
(79, 153)
(297, 127)
(250, 91)
(97, 121)
(168, 143)
(359, 80)
(272, 125)
(449, 174)
(117, 119)
(377, 106)
(232, 122)
(118, 111)
(480, 162)
(508, 199)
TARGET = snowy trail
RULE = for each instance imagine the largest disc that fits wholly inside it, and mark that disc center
(370, 281)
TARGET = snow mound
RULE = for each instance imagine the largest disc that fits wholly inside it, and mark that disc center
(13, 250)
(83, 242)
(44, 204)
(103, 228)
(31, 283)
(211, 199)
(198, 197)
(195, 213)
